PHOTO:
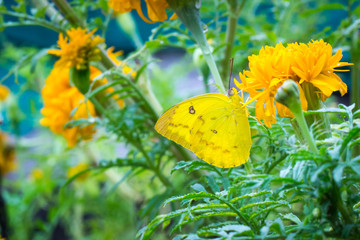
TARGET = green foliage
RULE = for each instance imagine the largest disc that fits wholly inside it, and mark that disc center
(303, 194)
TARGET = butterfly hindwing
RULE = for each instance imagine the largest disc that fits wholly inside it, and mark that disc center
(211, 126)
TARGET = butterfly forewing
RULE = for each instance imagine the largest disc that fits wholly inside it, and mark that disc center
(211, 126)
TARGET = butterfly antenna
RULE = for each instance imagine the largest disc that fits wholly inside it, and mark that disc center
(231, 69)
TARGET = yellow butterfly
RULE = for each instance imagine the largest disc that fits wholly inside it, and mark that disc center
(213, 126)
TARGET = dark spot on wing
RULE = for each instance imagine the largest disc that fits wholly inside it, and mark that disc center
(191, 110)
(214, 131)
(201, 119)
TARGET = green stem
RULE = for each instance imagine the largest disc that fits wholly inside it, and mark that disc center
(156, 170)
(50, 11)
(321, 121)
(337, 201)
(128, 24)
(355, 58)
(355, 71)
(69, 13)
(31, 21)
(234, 12)
(299, 115)
(78, 214)
(188, 13)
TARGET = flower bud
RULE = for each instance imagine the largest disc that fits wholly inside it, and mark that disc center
(81, 79)
(316, 212)
(289, 95)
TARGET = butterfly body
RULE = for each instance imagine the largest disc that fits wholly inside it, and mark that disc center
(213, 126)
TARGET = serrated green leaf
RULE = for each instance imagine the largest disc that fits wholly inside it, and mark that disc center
(250, 195)
(293, 218)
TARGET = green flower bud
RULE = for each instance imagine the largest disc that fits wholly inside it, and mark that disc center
(316, 212)
(289, 95)
(81, 79)
(127, 23)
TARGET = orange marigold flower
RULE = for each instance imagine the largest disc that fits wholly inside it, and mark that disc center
(7, 155)
(78, 169)
(268, 70)
(60, 99)
(78, 49)
(312, 63)
(156, 8)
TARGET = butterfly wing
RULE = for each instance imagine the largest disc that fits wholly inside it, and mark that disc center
(222, 137)
(211, 126)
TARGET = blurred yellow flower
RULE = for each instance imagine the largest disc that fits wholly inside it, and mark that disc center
(78, 49)
(126, 69)
(4, 92)
(37, 174)
(77, 169)
(312, 63)
(60, 99)
(156, 9)
(7, 155)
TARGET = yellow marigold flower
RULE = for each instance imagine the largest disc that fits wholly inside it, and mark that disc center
(7, 155)
(314, 63)
(156, 8)
(4, 92)
(77, 169)
(268, 70)
(60, 99)
(37, 174)
(78, 49)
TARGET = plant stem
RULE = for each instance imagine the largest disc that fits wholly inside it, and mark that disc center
(321, 121)
(188, 13)
(355, 59)
(78, 214)
(299, 115)
(337, 201)
(69, 13)
(355, 73)
(234, 12)
(31, 21)
(157, 171)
